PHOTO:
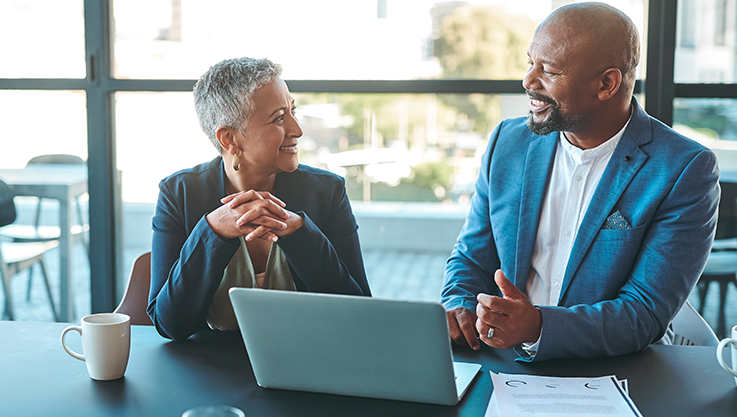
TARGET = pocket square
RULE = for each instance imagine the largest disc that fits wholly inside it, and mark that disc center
(616, 221)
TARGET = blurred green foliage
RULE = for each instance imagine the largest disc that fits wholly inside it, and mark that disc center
(701, 116)
(482, 42)
(432, 174)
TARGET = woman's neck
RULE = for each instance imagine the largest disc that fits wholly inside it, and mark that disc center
(241, 180)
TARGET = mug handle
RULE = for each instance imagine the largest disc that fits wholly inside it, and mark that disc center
(71, 352)
(720, 356)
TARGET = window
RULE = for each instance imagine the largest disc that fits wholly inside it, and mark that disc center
(42, 122)
(393, 75)
(326, 39)
(706, 119)
(42, 39)
(706, 52)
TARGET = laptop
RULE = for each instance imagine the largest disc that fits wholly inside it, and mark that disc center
(350, 345)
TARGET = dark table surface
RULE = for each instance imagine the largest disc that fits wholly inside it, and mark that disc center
(37, 378)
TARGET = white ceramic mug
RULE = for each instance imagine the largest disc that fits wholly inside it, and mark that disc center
(106, 343)
(720, 353)
(214, 411)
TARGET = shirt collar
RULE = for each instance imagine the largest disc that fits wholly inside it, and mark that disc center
(585, 155)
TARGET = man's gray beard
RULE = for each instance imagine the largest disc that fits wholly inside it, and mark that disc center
(554, 123)
(557, 122)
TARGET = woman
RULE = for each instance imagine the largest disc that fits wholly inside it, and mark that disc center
(252, 217)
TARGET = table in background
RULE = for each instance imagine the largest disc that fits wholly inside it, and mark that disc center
(164, 378)
(63, 183)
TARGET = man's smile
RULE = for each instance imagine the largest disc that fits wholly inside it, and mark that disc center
(538, 106)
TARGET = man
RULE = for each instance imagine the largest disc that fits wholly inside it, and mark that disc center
(591, 221)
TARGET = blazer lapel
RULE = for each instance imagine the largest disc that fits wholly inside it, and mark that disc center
(538, 165)
(624, 164)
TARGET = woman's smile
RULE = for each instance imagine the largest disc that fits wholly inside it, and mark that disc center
(289, 148)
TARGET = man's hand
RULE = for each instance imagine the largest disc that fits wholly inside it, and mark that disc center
(461, 324)
(514, 318)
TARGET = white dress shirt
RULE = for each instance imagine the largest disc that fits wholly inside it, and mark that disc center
(575, 176)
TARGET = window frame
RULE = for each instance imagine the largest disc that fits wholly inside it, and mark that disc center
(107, 277)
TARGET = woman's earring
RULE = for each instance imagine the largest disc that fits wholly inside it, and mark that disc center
(236, 162)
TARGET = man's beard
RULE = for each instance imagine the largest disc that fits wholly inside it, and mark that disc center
(555, 122)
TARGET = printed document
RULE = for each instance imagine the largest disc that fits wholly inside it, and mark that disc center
(532, 395)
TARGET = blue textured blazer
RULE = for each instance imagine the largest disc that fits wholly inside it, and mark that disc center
(622, 286)
(188, 259)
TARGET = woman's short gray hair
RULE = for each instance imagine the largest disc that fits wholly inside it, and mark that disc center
(223, 96)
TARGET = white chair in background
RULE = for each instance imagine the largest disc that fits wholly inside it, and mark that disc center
(37, 232)
(18, 256)
(691, 329)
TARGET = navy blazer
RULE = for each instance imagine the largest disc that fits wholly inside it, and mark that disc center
(188, 259)
(622, 286)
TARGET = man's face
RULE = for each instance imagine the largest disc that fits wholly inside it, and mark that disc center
(561, 81)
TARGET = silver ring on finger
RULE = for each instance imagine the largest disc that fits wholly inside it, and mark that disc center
(490, 333)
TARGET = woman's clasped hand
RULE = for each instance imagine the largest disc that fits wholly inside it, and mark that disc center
(253, 214)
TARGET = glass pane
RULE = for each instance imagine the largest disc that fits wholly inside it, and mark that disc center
(157, 134)
(712, 122)
(706, 119)
(403, 148)
(42, 39)
(44, 142)
(158, 131)
(705, 42)
(334, 39)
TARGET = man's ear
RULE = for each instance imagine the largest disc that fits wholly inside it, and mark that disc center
(226, 138)
(609, 82)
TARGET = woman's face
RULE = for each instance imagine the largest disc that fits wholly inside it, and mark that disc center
(269, 145)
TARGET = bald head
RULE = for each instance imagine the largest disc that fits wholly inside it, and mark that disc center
(607, 38)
